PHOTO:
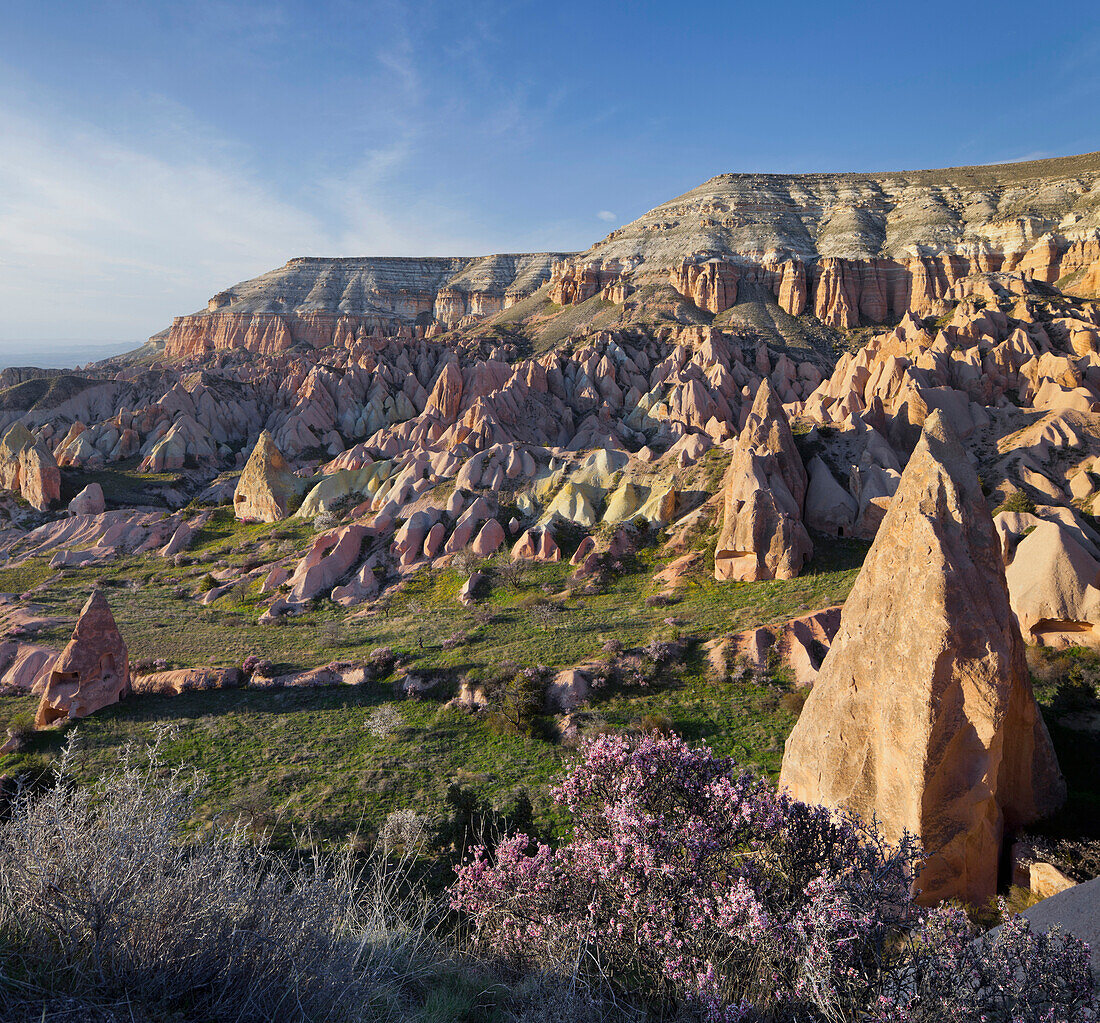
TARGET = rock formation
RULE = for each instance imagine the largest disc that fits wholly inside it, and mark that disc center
(88, 502)
(92, 672)
(28, 467)
(1053, 586)
(267, 485)
(762, 535)
(333, 301)
(846, 245)
(922, 714)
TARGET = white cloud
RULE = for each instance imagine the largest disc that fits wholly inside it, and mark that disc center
(607, 215)
(99, 238)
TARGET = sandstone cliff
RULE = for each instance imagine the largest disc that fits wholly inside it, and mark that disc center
(857, 248)
(324, 301)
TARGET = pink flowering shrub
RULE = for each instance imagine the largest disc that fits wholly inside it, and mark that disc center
(690, 881)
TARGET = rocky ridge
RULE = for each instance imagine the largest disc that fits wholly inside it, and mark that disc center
(324, 301)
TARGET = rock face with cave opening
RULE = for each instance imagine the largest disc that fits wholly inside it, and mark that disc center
(922, 714)
(92, 672)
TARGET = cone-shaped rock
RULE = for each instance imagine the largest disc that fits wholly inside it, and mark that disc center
(922, 713)
(267, 486)
(763, 536)
(93, 671)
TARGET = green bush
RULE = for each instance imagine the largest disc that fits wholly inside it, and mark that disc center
(1017, 501)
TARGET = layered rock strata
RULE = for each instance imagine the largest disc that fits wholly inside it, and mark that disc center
(857, 248)
(331, 301)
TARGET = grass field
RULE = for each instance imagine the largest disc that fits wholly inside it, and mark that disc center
(304, 759)
(297, 759)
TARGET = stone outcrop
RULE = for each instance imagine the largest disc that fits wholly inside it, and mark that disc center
(186, 680)
(922, 713)
(28, 467)
(334, 301)
(1053, 586)
(864, 248)
(92, 672)
(762, 535)
(801, 643)
(711, 284)
(88, 502)
(267, 486)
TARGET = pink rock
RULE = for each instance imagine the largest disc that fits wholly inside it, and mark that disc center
(275, 578)
(433, 542)
(363, 586)
(93, 671)
(548, 550)
(489, 539)
(526, 547)
(88, 502)
(331, 557)
(27, 666)
(586, 547)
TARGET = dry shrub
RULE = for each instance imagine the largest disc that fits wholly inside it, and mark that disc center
(794, 701)
(654, 722)
(101, 898)
(383, 721)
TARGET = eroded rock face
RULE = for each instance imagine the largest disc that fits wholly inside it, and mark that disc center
(922, 713)
(326, 301)
(763, 536)
(266, 486)
(1052, 584)
(92, 672)
(28, 467)
(88, 502)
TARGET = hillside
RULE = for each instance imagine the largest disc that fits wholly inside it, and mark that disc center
(382, 534)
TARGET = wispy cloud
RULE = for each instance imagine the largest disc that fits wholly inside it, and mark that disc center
(97, 236)
(607, 215)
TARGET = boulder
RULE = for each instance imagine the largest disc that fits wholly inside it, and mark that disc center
(267, 486)
(1053, 586)
(490, 538)
(88, 502)
(92, 672)
(468, 593)
(1076, 910)
(922, 714)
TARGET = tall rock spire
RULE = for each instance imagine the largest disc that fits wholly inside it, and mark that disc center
(922, 713)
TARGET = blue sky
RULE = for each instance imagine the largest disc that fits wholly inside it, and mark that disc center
(152, 153)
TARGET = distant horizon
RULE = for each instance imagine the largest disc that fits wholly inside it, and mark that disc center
(63, 353)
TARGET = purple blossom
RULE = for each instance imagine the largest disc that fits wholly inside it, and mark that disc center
(688, 880)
